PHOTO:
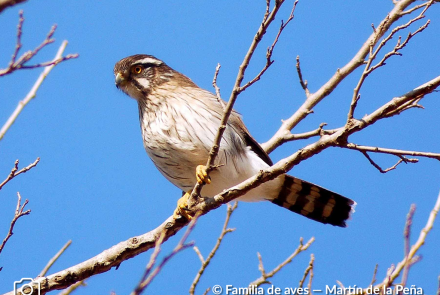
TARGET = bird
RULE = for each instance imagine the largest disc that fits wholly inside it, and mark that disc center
(179, 122)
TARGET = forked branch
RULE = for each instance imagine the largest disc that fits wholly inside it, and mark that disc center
(267, 275)
(19, 212)
(19, 63)
(15, 172)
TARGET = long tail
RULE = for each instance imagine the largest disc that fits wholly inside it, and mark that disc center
(314, 202)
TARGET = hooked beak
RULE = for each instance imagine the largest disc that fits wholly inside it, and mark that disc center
(119, 79)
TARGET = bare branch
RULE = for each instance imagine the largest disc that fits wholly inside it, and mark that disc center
(205, 262)
(19, 212)
(130, 248)
(407, 242)
(411, 254)
(369, 68)
(394, 152)
(307, 271)
(136, 245)
(199, 254)
(14, 172)
(237, 89)
(402, 159)
(269, 52)
(417, 7)
(357, 61)
(33, 92)
(373, 280)
(265, 276)
(217, 89)
(150, 275)
(19, 64)
(55, 258)
(72, 288)
(303, 83)
(317, 132)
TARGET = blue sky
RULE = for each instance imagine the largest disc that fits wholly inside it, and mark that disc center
(96, 185)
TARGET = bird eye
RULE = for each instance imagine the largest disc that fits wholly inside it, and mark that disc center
(137, 69)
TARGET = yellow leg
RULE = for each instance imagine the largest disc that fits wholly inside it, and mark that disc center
(202, 175)
(182, 203)
(182, 206)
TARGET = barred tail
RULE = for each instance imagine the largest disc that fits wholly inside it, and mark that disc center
(314, 202)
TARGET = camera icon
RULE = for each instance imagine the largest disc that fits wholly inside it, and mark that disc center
(26, 286)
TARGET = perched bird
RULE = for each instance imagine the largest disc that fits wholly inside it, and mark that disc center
(179, 121)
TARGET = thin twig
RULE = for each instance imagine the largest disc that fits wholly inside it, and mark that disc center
(152, 262)
(369, 68)
(21, 63)
(55, 258)
(266, 275)
(420, 241)
(237, 89)
(205, 262)
(72, 288)
(303, 83)
(395, 152)
(269, 52)
(307, 271)
(407, 242)
(33, 92)
(373, 280)
(217, 89)
(19, 212)
(14, 172)
(133, 246)
(417, 7)
(150, 274)
(199, 254)
(317, 132)
(309, 285)
(402, 159)
(357, 61)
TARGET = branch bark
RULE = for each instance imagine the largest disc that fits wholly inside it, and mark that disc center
(337, 138)
(33, 92)
(358, 60)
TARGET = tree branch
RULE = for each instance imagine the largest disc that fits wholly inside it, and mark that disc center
(339, 137)
(14, 172)
(357, 61)
(395, 152)
(237, 89)
(55, 258)
(150, 274)
(308, 270)
(205, 262)
(136, 245)
(267, 275)
(19, 64)
(33, 92)
(19, 212)
(303, 83)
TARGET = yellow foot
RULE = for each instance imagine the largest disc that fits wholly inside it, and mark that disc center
(202, 175)
(182, 207)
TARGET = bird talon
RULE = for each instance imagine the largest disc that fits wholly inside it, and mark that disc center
(202, 175)
(182, 207)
